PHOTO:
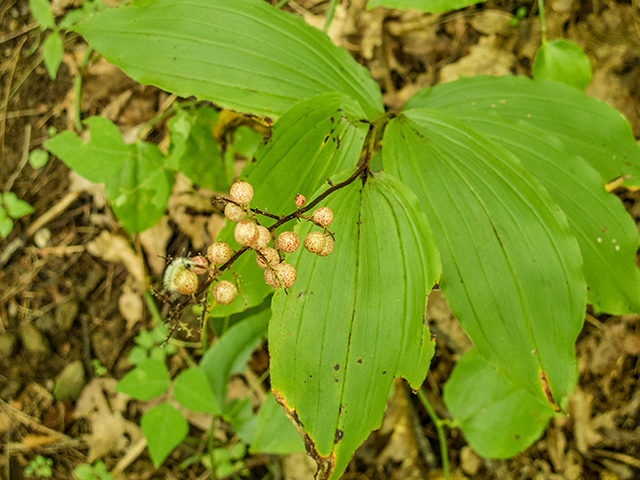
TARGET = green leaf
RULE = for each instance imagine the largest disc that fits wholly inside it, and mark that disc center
(42, 12)
(354, 320)
(607, 236)
(562, 61)
(195, 152)
(511, 268)
(243, 55)
(314, 140)
(275, 434)
(16, 208)
(430, 6)
(38, 158)
(246, 141)
(6, 224)
(498, 419)
(586, 127)
(137, 182)
(164, 428)
(78, 14)
(236, 346)
(148, 380)
(52, 51)
(191, 388)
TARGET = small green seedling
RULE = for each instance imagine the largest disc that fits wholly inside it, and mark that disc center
(11, 208)
(97, 471)
(39, 467)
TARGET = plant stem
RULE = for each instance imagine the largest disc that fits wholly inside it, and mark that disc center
(439, 424)
(211, 448)
(543, 26)
(330, 12)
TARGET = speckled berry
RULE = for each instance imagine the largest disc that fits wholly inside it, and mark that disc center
(241, 192)
(186, 281)
(224, 292)
(323, 216)
(282, 275)
(300, 201)
(328, 247)
(246, 233)
(219, 253)
(315, 242)
(288, 242)
(264, 238)
(201, 265)
(234, 213)
(272, 256)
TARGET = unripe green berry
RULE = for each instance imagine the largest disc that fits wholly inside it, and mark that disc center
(201, 265)
(234, 213)
(246, 233)
(315, 242)
(328, 247)
(241, 192)
(323, 216)
(282, 275)
(219, 253)
(264, 238)
(272, 256)
(224, 292)
(186, 281)
(288, 242)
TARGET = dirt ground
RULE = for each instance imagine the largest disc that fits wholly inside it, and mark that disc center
(72, 281)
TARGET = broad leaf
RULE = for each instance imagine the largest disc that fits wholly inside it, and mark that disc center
(195, 152)
(354, 320)
(511, 268)
(430, 6)
(235, 346)
(587, 127)
(52, 51)
(42, 12)
(314, 140)
(148, 380)
(164, 428)
(136, 180)
(498, 419)
(193, 391)
(562, 61)
(243, 55)
(607, 236)
(275, 434)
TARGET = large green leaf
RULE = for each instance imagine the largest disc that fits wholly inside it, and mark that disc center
(431, 6)
(243, 55)
(314, 140)
(607, 236)
(354, 320)
(137, 183)
(587, 127)
(498, 419)
(511, 268)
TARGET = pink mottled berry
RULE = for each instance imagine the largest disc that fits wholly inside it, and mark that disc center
(264, 238)
(300, 201)
(314, 242)
(186, 281)
(328, 247)
(282, 275)
(323, 216)
(224, 292)
(241, 192)
(234, 213)
(288, 242)
(272, 256)
(201, 265)
(246, 233)
(219, 253)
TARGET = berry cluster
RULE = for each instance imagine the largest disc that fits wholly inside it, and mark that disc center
(181, 275)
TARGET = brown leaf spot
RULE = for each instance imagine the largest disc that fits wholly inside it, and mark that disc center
(547, 391)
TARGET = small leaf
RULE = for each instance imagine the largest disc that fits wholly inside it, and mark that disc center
(243, 55)
(52, 51)
(6, 224)
(562, 61)
(238, 343)
(498, 419)
(42, 12)
(275, 434)
(38, 158)
(16, 208)
(429, 6)
(191, 388)
(354, 319)
(164, 428)
(148, 380)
